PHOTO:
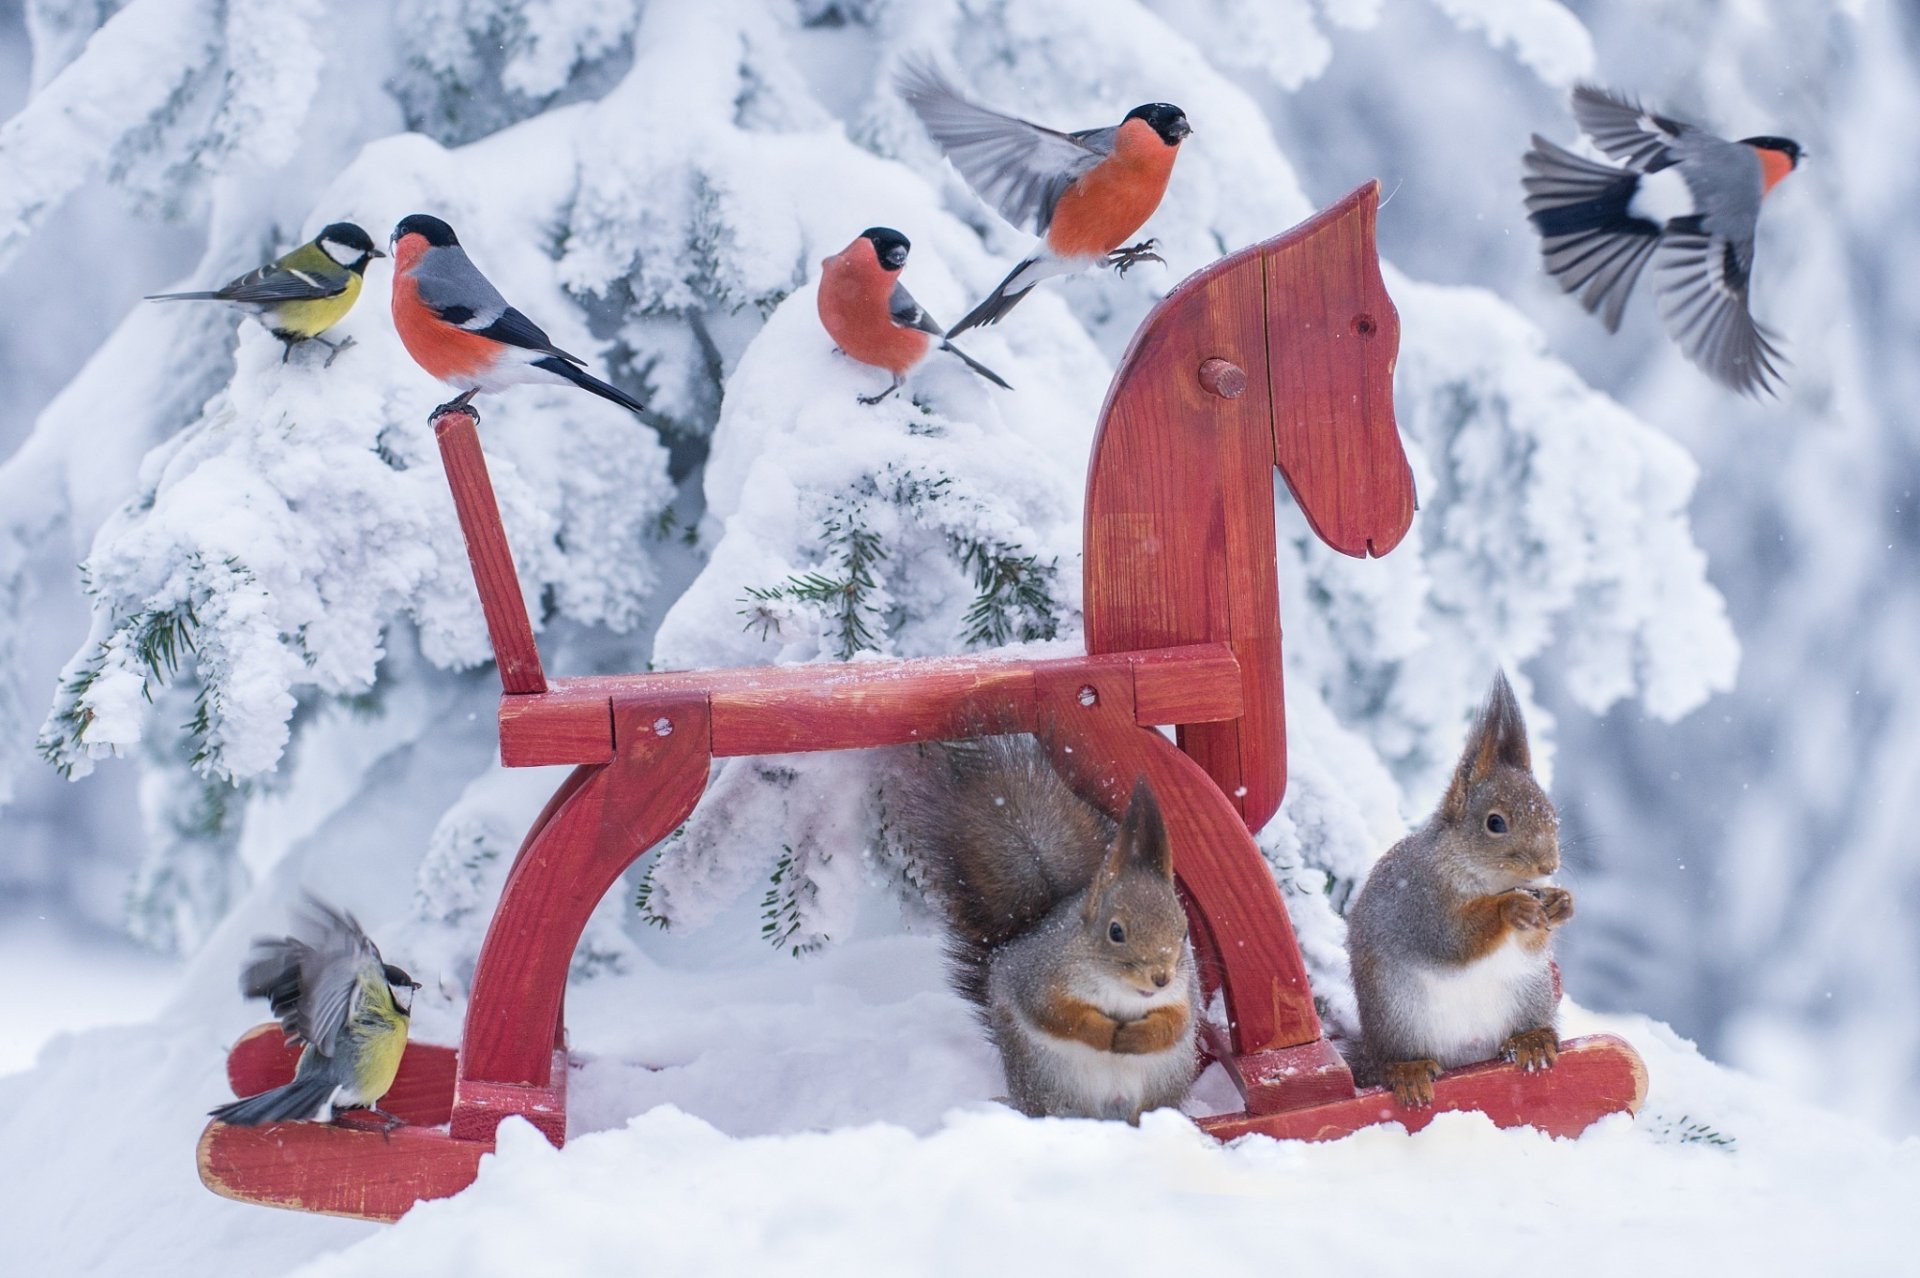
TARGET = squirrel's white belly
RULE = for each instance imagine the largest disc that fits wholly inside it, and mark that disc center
(1466, 1013)
(1115, 1083)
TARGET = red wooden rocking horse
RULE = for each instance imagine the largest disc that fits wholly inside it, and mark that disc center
(1280, 355)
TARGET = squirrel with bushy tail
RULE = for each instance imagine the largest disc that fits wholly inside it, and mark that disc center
(1451, 937)
(1063, 930)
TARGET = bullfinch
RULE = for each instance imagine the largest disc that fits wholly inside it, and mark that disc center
(1083, 193)
(302, 295)
(871, 316)
(456, 325)
(1687, 200)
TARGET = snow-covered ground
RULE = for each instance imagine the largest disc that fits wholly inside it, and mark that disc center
(735, 1112)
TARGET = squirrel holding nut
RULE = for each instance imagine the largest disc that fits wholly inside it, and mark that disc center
(1450, 939)
(1063, 930)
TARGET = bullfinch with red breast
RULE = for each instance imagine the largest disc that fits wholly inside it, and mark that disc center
(871, 316)
(1687, 200)
(1083, 193)
(456, 325)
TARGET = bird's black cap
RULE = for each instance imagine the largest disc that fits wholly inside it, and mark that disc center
(1785, 146)
(888, 245)
(397, 977)
(438, 233)
(348, 234)
(1168, 120)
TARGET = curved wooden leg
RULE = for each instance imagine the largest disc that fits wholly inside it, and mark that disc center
(612, 815)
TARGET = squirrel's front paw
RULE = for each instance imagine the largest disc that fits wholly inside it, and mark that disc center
(1557, 902)
(1411, 1081)
(1533, 1050)
(1155, 1032)
(1523, 910)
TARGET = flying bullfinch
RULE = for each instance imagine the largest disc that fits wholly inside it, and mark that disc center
(871, 316)
(1687, 200)
(302, 295)
(1083, 193)
(456, 325)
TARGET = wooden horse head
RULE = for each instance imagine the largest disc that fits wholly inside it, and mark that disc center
(1279, 356)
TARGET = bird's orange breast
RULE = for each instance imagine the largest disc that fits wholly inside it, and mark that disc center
(447, 351)
(1774, 165)
(1098, 213)
(854, 299)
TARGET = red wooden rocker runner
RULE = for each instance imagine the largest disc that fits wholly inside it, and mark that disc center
(1278, 356)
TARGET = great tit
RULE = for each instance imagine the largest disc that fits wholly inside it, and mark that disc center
(332, 992)
(302, 295)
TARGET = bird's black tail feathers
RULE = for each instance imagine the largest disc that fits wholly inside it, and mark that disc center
(998, 303)
(976, 365)
(183, 297)
(300, 1099)
(587, 381)
(1591, 241)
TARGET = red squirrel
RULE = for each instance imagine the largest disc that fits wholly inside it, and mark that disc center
(1450, 939)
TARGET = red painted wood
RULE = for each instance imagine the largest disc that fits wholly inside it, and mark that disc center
(514, 651)
(1310, 1074)
(1333, 336)
(614, 814)
(422, 1091)
(791, 709)
(1184, 554)
(335, 1169)
(1595, 1076)
(1243, 921)
(479, 1106)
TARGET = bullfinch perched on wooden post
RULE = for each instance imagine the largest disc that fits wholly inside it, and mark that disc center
(871, 316)
(302, 295)
(1687, 200)
(456, 325)
(1083, 193)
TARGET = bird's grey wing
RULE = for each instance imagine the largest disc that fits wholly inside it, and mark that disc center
(1725, 182)
(1702, 280)
(1019, 167)
(1628, 131)
(909, 314)
(273, 973)
(458, 293)
(337, 951)
(273, 285)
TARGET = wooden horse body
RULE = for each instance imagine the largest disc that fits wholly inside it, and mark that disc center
(1278, 356)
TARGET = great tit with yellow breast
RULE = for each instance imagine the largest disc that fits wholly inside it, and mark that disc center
(302, 295)
(334, 993)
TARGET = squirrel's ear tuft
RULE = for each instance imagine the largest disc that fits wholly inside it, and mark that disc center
(1498, 737)
(1143, 833)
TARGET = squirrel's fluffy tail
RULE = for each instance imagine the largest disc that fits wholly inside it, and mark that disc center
(1002, 839)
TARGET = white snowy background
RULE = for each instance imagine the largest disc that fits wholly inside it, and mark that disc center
(235, 608)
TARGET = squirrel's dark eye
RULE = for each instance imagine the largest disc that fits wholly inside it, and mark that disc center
(1496, 824)
(1116, 933)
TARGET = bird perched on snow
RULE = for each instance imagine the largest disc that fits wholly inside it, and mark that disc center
(1083, 193)
(302, 295)
(332, 992)
(1686, 198)
(456, 325)
(871, 316)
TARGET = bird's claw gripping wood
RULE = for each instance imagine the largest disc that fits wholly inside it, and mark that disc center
(1183, 629)
(461, 403)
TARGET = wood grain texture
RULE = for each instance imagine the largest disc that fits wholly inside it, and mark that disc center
(1241, 929)
(422, 1091)
(336, 1170)
(858, 705)
(514, 651)
(614, 814)
(1184, 553)
(1290, 1077)
(1596, 1076)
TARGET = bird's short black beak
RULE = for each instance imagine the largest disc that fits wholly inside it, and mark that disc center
(375, 253)
(896, 258)
(1180, 129)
